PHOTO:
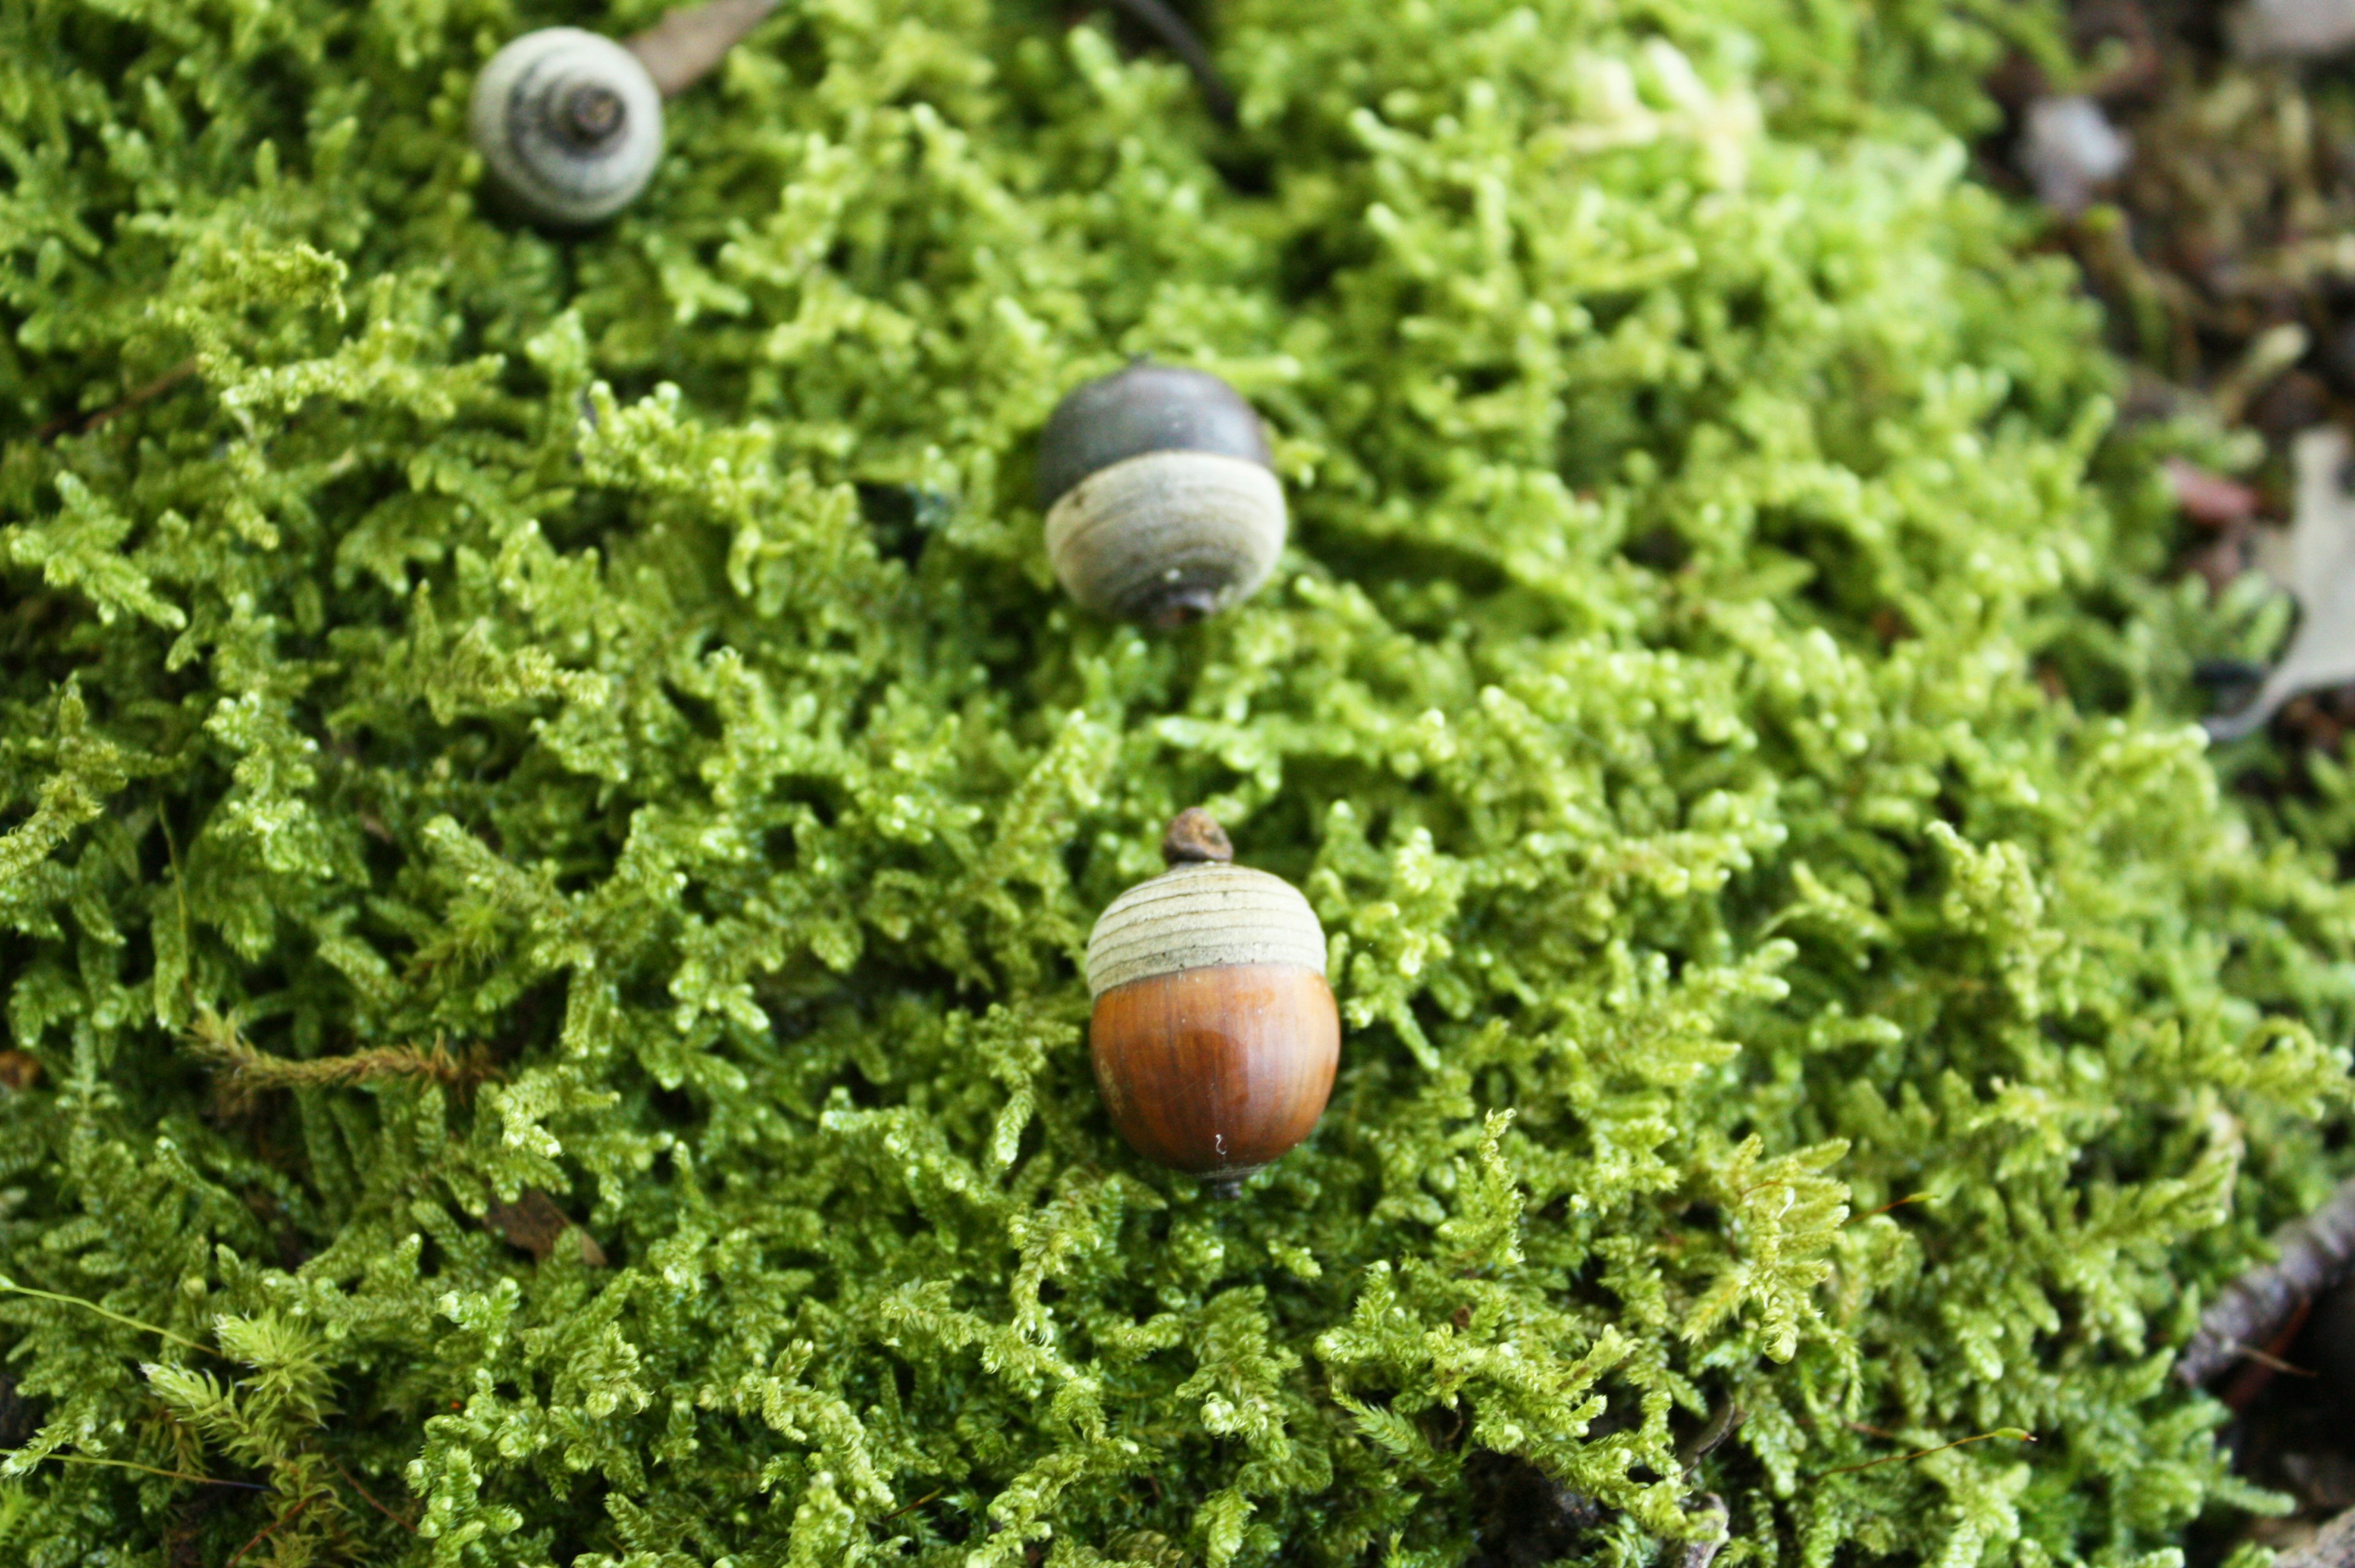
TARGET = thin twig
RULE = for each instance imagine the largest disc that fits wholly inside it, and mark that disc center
(10, 1287)
(131, 399)
(1171, 29)
(908, 1508)
(1925, 1453)
(145, 1470)
(352, 1481)
(270, 1529)
(1722, 1424)
(2274, 1363)
(1885, 1207)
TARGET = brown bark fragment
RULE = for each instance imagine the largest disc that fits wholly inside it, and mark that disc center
(2313, 1254)
(535, 1223)
(2334, 1548)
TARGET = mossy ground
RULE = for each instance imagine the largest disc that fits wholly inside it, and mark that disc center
(1796, 952)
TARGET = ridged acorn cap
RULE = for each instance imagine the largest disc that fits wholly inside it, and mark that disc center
(570, 125)
(1200, 913)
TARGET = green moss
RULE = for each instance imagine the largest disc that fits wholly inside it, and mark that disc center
(1709, 701)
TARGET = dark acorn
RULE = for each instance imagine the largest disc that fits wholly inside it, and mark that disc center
(1161, 497)
(1214, 1037)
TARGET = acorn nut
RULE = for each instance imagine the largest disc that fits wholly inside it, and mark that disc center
(1214, 1037)
(1161, 497)
(569, 124)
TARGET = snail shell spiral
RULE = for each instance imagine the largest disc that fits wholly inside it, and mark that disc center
(569, 124)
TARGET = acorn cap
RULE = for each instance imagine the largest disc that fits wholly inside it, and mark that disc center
(1200, 913)
(1144, 409)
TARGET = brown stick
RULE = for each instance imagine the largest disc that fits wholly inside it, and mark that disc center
(2012, 1432)
(686, 46)
(131, 399)
(1172, 30)
(2334, 1548)
(2242, 1389)
(352, 1481)
(2314, 1253)
(1722, 1423)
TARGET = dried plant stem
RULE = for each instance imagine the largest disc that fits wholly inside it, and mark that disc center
(2313, 1254)
(10, 1287)
(147, 392)
(1171, 29)
(1885, 1207)
(245, 1072)
(147, 1470)
(1925, 1453)
(1722, 1423)
(368, 1498)
(270, 1529)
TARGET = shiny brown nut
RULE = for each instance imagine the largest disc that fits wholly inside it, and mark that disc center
(1214, 1037)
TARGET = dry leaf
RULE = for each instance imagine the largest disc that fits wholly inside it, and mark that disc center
(535, 1223)
(2314, 557)
(2209, 499)
(18, 1069)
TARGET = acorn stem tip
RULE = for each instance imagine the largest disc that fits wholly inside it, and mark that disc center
(1194, 838)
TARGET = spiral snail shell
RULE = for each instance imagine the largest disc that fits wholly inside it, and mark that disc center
(1214, 1036)
(570, 125)
(1161, 498)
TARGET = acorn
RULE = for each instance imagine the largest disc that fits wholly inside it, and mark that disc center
(1214, 1037)
(1161, 497)
(570, 124)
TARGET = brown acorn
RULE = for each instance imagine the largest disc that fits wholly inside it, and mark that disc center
(1214, 1037)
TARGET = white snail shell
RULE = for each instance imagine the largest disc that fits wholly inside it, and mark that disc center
(1162, 503)
(569, 124)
